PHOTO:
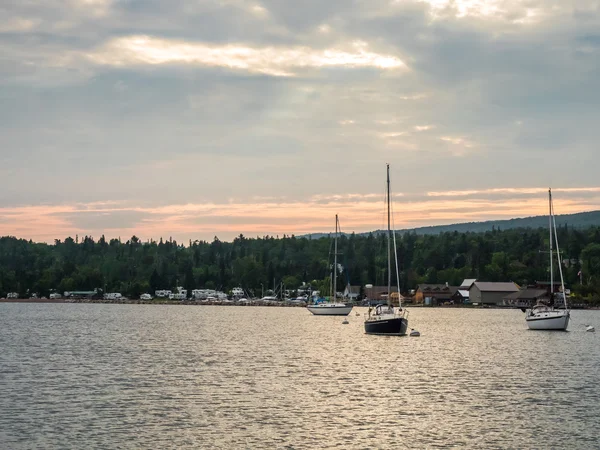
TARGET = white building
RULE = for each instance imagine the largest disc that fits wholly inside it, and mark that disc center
(163, 293)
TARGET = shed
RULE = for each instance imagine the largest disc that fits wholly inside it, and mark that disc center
(487, 293)
(461, 296)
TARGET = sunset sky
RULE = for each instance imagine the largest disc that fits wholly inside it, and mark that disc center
(196, 119)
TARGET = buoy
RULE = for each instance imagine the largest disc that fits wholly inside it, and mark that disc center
(590, 328)
(345, 322)
(414, 332)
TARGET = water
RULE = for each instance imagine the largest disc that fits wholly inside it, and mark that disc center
(145, 376)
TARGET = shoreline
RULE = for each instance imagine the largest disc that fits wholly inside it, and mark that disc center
(253, 303)
(144, 302)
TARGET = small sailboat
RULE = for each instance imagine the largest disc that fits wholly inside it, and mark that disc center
(542, 316)
(333, 308)
(384, 318)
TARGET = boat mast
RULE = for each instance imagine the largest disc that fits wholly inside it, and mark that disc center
(335, 260)
(389, 249)
(550, 230)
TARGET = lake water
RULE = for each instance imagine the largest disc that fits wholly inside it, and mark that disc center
(158, 376)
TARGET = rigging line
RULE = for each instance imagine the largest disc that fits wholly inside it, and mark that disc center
(396, 256)
(346, 271)
(381, 228)
(562, 281)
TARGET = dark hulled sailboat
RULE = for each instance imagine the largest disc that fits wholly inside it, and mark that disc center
(385, 319)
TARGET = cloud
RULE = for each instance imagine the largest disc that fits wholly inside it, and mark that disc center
(513, 191)
(193, 103)
(423, 127)
(146, 50)
(18, 24)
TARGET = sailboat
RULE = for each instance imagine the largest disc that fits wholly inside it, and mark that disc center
(384, 318)
(542, 316)
(333, 308)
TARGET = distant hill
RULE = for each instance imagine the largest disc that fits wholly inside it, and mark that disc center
(577, 220)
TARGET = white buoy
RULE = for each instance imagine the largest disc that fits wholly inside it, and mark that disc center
(590, 328)
(414, 333)
(345, 322)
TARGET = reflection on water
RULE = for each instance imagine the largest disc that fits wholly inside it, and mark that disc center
(144, 376)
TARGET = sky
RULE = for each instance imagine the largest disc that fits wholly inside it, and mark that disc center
(195, 119)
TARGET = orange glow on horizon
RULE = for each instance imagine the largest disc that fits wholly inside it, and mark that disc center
(358, 213)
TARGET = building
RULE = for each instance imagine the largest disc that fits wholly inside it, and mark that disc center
(557, 286)
(461, 297)
(376, 294)
(352, 292)
(434, 294)
(526, 297)
(486, 293)
(467, 283)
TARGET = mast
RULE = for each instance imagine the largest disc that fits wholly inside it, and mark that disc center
(389, 249)
(550, 230)
(335, 260)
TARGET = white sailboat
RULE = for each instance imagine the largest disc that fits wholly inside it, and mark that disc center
(542, 316)
(384, 319)
(333, 308)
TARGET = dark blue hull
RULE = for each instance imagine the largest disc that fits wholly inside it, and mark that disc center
(392, 327)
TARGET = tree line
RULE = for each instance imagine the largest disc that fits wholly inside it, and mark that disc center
(257, 264)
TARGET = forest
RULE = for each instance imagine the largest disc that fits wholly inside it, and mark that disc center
(256, 264)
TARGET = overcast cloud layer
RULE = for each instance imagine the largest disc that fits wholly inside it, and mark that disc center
(200, 118)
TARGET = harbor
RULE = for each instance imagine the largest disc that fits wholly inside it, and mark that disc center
(86, 375)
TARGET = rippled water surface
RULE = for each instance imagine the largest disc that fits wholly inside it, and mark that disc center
(145, 376)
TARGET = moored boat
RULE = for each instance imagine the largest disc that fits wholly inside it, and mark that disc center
(330, 309)
(542, 316)
(385, 319)
(333, 308)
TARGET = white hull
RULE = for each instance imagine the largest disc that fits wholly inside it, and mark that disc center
(330, 310)
(552, 320)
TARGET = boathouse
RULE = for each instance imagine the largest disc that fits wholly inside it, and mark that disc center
(492, 294)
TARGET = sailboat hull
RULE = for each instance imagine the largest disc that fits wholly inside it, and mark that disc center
(554, 320)
(396, 326)
(330, 310)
